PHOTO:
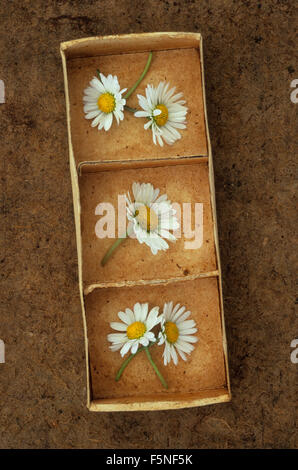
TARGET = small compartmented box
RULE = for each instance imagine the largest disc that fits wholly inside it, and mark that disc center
(103, 166)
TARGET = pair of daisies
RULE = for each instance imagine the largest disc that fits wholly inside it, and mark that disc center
(135, 331)
(163, 108)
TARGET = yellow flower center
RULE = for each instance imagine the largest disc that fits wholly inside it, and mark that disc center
(162, 118)
(136, 330)
(172, 332)
(106, 103)
(147, 218)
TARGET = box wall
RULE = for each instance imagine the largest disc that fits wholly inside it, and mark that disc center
(215, 226)
(77, 215)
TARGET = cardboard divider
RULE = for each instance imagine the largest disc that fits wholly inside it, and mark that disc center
(127, 43)
(95, 167)
(159, 402)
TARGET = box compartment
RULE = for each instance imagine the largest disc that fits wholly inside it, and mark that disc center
(204, 370)
(129, 142)
(133, 262)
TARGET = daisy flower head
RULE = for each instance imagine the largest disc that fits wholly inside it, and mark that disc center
(103, 101)
(151, 217)
(176, 333)
(134, 329)
(165, 112)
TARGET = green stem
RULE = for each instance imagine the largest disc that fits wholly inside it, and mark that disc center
(155, 368)
(98, 73)
(128, 108)
(126, 362)
(112, 249)
(132, 89)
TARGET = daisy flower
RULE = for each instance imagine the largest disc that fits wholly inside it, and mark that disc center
(151, 217)
(135, 329)
(166, 112)
(176, 333)
(103, 100)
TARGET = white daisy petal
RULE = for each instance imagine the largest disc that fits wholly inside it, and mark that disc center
(151, 217)
(184, 346)
(160, 141)
(141, 114)
(178, 125)
(103, 99)
(137, 311)
(165, 111)
(167, 310)
(136, 328)
(176, 334)
(130, 315)
(166, 354)
(144, 341)
(101, 123)
(115, 347)
(97, 85)
(152, 318)
(118, 326)
(125, 348)
(169, 236)
(134, 347)
(184, 317)
(96, 121)
(117, 337)
(181, 354)
(108, 121)
(178, 313)
(176, 308)
(189, 339)
(150, 336)
(162, 198)
(91, 114)
(144, 309)
(124, 317)
(185, 324)
(91, 92)
(174, 355)
(90, 107)
(189, 331)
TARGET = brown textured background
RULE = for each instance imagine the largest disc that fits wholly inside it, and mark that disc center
(249, 51)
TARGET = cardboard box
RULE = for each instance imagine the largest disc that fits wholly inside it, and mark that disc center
(104, 165)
